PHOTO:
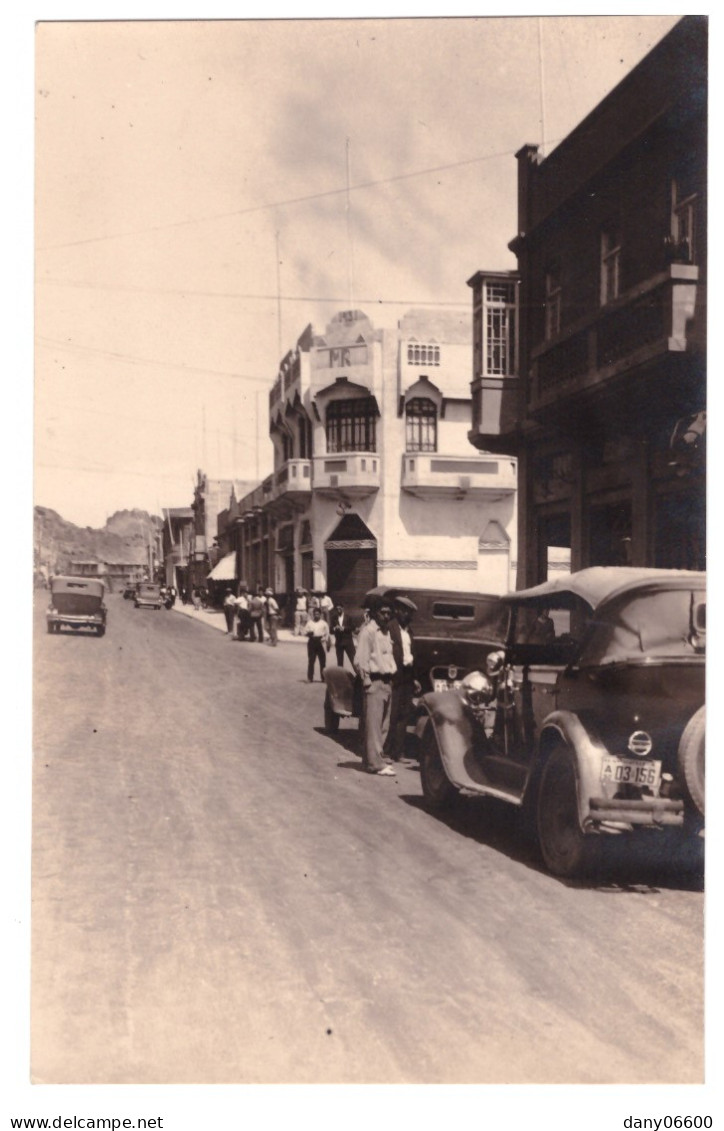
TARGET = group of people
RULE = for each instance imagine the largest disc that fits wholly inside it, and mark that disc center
(249, 614)
(304, 605)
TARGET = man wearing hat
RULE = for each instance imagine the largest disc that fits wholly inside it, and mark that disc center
(376, 665)
(272, 617)
(404, 684)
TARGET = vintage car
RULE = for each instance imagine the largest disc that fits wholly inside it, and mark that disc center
(147, 596)
(591, 717)
(452, 632)
(129, 590)
(76, 602)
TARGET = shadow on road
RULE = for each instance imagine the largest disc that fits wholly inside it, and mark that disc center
(643, 865)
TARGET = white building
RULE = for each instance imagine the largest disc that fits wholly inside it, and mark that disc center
(375, 481)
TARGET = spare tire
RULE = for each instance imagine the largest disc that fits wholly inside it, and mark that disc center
(690, 758)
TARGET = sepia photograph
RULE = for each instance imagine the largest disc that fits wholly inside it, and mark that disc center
(370, 413)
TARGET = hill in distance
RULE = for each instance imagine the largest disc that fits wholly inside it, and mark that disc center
(124, 538)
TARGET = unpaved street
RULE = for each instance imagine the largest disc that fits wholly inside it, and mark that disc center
(220, 895)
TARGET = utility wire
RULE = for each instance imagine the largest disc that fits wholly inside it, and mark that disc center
(281, 203)
(129, 359)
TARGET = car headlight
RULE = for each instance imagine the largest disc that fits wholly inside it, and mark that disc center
(477, 690)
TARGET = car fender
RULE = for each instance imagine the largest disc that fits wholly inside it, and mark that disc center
(340, 687)
(588, 750)
(456, 737)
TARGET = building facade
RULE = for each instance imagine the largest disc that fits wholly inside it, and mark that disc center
(608, 414)
(375, 481)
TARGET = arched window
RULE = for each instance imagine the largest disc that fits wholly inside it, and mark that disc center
(351, 425)
(421, 425)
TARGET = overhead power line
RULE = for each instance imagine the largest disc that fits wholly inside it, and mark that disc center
(129, 359)
(341, 302)
(344, 189)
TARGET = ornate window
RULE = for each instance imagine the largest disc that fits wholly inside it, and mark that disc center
(500, 328)
(610, 264)
(351, 425)
(421, 425)
(420, 353)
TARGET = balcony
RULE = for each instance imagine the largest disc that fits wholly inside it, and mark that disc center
(292, 485)
(641, 327)
(351, 475)
(428, 475)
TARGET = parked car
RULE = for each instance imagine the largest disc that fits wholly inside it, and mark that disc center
(453, 632)
(129, 590)
(147, 596)
(592, 716)
(76, 602)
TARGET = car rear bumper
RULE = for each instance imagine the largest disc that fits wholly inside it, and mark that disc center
(657, 811)
(76, 621)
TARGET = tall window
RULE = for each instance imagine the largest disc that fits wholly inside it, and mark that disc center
(683, 229)
(421, 425)
(553, 301)
(500, 329)
(421, 353)
(351, 426)
(610, 264)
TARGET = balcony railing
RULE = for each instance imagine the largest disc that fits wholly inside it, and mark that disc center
(429, 475)
(355, 474)
(649, 321)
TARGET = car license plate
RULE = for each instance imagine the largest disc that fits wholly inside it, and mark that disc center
(446, 684)
(624, 771)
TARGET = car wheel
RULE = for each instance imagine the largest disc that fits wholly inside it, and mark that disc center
(566, 850)
(690, 758)
(101, 630)
(331, 718)
(437, 789)
(51, 627)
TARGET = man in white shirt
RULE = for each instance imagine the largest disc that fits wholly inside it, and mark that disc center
(242, 614)
(317, 633)
(300, 613)
(376, 665)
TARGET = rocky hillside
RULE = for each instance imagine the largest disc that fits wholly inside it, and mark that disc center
(124, 538)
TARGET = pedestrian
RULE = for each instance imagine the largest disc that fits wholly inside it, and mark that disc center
(256, 612)
(340, 628)
(243, 619)
(312, 603)
(300, 612)
(326, 604)
(196, 598)
(229, 611)
(317, 633)
(272, 617)
(376, 666)
(404, 684)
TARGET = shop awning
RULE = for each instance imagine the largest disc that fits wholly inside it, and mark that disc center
(225, 569)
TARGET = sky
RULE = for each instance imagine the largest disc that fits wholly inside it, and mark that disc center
(205, 189)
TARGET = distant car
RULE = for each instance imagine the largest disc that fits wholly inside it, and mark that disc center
(129, 590)
(453, 632)
(147, 596)
(591, 717)
(76, 602)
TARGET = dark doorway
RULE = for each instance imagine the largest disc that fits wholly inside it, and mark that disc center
(680, 531)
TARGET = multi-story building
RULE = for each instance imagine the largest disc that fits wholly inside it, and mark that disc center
(375, 481)
(607, 415)
(211, 498)
(177, 544)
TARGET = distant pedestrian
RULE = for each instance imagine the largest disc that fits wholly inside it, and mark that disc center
(272, 617)
(317, 633)
(300, 612)
(243, 619)
(256, 612)
(326, 604)
(340, 627)
(196, 598)
(229, 611)
(312, 604)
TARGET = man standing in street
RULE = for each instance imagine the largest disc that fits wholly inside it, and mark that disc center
(272, 617)
(229, 611)
(317, 633)
(341, 629)
(300, 612)
(404, 685)
(242, 613)
(257, 606)
(376, 665)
